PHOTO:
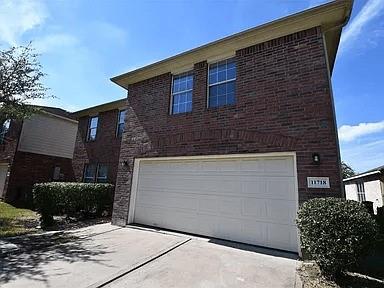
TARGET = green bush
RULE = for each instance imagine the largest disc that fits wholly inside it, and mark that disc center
(336, 233)
(71, 199)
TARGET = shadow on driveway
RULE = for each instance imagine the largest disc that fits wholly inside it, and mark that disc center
(31, 253)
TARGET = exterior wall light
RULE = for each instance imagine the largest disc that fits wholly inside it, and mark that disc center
(316, 158)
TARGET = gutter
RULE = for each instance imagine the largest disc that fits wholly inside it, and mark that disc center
(362, 175)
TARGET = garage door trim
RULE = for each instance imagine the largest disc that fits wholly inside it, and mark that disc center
(138, 162)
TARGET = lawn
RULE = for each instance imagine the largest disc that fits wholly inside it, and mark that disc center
(15, 221)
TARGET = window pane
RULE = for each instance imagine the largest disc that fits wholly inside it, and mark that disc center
(102, 173)
(120, 129)
(89, 173)
(94, 121)
(92, 134)
(231, 74)
(122, 116)
(182, 93)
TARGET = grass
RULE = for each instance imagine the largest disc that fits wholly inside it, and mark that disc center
(15, 221)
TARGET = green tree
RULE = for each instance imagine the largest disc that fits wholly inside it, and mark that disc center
(347, 170)
(20, 82)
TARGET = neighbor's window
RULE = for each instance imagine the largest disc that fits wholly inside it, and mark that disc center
(221, 83)
(89, 173)
(102, 173)
(182, 87)
(92, 128)
(360, 191)
(95, 173)
(4, 130)
(120, 123)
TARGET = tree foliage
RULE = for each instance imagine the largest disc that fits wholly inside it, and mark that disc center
(347, 170)
(20, 82)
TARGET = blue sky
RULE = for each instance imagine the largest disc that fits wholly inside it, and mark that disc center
(85, 42)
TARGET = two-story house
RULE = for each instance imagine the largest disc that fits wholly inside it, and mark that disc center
(38, 149)
(225, 140)
(96, 154)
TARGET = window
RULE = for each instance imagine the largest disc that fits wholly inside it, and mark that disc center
(56, 173)
(102, 173)
(92, 128)
(89, 173)
(4, 130)
(120, 123)
(95, 173)
(182, 87)
(221, 83)
(360, 191)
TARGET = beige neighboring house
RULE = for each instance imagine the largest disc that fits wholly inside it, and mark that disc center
(38, 149)
(367, 186)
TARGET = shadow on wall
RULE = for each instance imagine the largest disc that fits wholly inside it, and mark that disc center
(35, 251)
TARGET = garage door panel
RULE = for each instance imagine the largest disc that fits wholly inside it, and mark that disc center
(251, 200)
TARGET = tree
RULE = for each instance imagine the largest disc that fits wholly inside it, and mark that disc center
(347, 170)
(20, 82)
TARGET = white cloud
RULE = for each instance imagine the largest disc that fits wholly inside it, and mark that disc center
(18, 17)
(349, 133)
(54, 42)
(109, 31)
(370, 10)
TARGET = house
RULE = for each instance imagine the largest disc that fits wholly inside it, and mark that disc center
(38, 149)
(225, 140)
(367, 186)
(97, 147)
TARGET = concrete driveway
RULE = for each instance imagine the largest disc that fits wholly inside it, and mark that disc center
(108, 256)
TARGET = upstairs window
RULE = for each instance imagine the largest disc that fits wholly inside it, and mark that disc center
(360, 191)
(120, 123)
(182, 87)
(92, 128)
(221, 83)
(4, 130)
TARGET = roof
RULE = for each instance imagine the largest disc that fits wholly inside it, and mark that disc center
(117, 104)
(377, 170)
(331, 17)
(56, 111)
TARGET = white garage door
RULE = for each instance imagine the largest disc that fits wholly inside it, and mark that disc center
(251, 200)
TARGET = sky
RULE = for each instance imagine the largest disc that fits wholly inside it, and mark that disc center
(83, 43)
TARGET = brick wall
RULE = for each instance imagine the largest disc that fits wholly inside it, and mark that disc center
(284, 103)
(30, 168)
(105, 150)
(8, 149)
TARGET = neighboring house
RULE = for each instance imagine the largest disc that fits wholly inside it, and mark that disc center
(367, 186)
(96, 155)
(38, 149)
(227, 139)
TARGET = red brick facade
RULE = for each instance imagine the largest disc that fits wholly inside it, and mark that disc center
(104, 150)
(283, 103)
(30, 168)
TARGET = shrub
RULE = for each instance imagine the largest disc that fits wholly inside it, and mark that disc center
(336, 233)
(71, 199)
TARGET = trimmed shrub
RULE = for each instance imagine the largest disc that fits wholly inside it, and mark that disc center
(71, 199)
(336, 233)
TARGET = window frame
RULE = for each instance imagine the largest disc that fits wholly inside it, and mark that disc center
(118, 123)
(186, 73)
(360, 191)
(95, 178)
(89, 128)
(221, 82)
(85, 169)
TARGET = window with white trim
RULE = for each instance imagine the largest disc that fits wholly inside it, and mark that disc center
(4, 130)
(120, 123)
(92, 128)
(360, 191)
(95, 173)
(221, 83)
(182, 87)
(89, 173)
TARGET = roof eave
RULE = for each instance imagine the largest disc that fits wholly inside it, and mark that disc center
(331, 17)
